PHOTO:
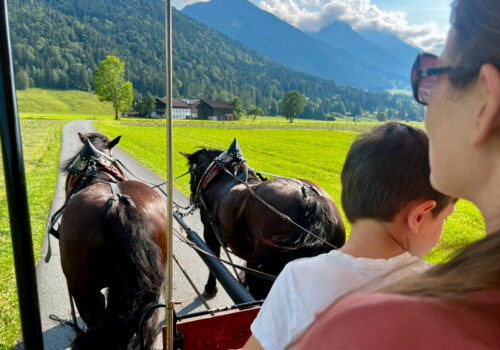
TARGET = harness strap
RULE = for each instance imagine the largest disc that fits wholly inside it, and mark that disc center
(224, 191)
(53, 221)
(77, 184)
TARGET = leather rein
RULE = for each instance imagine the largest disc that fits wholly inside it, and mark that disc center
(214, 169)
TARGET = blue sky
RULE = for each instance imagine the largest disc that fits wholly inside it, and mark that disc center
(421, 11)
(422, 23)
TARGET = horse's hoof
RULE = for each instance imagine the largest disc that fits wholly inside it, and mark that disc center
(210, 292)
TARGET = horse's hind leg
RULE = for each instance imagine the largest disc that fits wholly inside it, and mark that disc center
(91, 306)
(213, 244)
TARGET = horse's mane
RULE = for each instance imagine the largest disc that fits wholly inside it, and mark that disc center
(203, 149)
(99, 141)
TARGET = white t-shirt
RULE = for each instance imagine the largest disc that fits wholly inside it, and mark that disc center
(308, 285)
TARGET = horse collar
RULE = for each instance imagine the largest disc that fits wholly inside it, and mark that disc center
(212, 171)
(88, 154)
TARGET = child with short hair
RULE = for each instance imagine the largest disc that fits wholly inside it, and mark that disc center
(396, 218)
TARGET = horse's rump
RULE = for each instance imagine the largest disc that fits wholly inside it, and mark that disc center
(109, 241)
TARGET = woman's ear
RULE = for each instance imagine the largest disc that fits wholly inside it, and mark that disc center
(418, 212)
(487, 117)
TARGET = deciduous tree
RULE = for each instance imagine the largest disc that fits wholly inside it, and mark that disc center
(254, 112)
(292, 105)
(111, 86)
(381, 116)
(238, 108)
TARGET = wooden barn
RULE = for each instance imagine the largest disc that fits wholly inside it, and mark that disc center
(215, 110)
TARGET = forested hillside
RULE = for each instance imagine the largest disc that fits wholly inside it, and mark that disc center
(58, 43)
(266, 33)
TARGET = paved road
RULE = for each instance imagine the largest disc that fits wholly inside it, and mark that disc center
(52, 286)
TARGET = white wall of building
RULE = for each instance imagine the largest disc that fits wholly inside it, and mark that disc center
(181, 113)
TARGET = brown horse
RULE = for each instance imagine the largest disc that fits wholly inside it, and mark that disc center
(247, 223)
(112, 235)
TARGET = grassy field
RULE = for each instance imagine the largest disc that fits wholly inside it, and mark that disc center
(41, 146)
(76, 104)
(315, 154)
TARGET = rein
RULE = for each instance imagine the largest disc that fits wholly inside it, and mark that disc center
(222, 167)
(277, 212)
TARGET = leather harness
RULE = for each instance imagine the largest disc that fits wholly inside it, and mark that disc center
(219, 165)
(89, 164)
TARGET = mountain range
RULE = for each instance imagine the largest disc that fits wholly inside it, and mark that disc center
(386, 58)
(58, 44)
(336, 52)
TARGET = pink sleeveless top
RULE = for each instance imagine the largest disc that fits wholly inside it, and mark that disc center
(390, 321)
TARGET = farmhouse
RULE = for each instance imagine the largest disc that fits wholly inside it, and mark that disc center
(193, 103)
(180, 109)
(215, 110)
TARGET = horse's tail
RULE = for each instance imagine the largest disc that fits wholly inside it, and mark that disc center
(317, 217)
(137, 277)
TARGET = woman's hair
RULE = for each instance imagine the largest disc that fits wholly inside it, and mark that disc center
(477, 30)
(476, 266)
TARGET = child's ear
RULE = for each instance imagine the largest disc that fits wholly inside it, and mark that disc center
(418, 212)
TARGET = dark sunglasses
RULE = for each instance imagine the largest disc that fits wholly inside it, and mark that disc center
(424, 76)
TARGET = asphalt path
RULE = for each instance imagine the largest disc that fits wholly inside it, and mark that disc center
(52, 288)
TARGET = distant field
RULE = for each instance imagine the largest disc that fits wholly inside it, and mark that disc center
(400, 92)
(41, 147)
(317, 155)
(39, 102)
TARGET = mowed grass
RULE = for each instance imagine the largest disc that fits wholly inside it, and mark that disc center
(41, 141)
(317, 155)
(33, 102)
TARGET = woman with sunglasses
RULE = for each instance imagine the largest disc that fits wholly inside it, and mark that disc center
(455, 305)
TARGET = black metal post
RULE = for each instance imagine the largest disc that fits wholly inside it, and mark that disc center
(235, 290)
(17, 197)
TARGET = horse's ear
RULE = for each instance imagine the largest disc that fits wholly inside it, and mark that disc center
(187, 155)
(82, 137)
(114, 142)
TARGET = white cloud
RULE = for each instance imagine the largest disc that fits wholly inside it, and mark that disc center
(180, 4)
(312, 15)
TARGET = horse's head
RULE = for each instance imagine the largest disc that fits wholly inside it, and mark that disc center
(198, 162)
(96, 146)
(99, 141)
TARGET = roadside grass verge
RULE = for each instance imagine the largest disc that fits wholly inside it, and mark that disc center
(41, 148)
(65, 116)
(317, 155)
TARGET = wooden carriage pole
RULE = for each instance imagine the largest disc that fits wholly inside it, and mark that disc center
(17, 197)
(170, 145)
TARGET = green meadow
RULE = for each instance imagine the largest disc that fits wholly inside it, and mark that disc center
(314, 154)
(41, 147)
(61, 104)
